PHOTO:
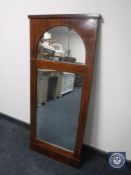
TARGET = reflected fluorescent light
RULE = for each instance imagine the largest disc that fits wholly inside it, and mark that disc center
(47, 35)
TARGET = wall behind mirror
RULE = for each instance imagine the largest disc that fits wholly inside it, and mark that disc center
(61, 44)
(58, 107)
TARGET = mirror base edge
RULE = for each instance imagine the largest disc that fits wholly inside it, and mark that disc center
(74, 162)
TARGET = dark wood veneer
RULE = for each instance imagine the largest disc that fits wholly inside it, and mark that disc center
(86, 26)
(65, 16)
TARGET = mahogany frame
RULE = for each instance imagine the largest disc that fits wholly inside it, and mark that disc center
(87, 27)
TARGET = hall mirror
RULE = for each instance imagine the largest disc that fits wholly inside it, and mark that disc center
(62, 49)
(62, 44)
(58, 107)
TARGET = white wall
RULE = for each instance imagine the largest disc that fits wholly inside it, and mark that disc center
(109, 115)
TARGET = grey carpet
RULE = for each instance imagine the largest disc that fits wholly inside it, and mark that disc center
(57, 120)
(17, 159)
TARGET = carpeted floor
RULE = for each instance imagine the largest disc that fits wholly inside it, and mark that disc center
(17, 159)
(57, 120)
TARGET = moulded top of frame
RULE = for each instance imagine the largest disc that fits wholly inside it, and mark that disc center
(65, 16)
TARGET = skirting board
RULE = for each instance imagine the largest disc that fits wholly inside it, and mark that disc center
(14, 120)
(101, 153)
(86, 148)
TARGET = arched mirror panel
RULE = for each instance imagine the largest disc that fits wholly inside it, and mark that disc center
(61, 44)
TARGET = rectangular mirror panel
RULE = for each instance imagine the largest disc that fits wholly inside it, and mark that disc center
(58, 107)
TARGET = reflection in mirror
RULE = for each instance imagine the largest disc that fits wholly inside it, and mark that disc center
(58, 107)
(61, 44)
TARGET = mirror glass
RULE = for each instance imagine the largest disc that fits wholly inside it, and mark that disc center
(58, 107)
(61, 44)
